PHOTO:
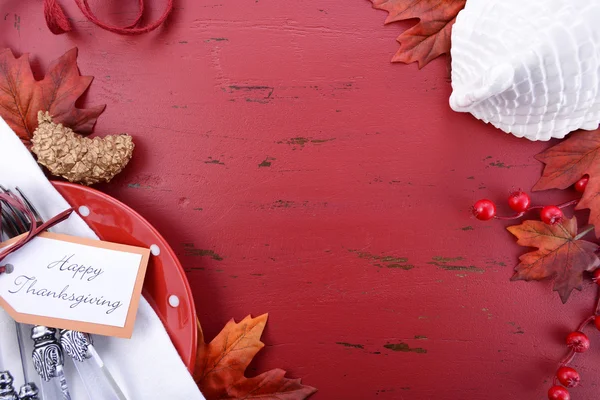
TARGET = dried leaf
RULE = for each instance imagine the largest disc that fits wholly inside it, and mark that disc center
(21, 96)
(560, 254)
(430, 37)
(567, 162)
(221, 364)
(270, 385)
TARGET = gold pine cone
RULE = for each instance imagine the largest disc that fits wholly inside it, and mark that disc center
(76, 158)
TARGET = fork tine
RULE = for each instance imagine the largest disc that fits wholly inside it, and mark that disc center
(7, 230)
(22, 218)
(29, 205)
(19, 221)
(7, 215)
(8, 218)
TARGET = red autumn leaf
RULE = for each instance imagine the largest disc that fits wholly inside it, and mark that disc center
(21, 96)
(560, 254)
(430, 37)
(221, 364)
(567, 162)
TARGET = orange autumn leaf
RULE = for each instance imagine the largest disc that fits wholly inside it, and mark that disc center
(21, 96)
(221, 364)
(560, 254)
(567, 162)
(430, 37)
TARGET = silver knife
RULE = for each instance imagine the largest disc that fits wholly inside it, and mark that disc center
(97, 378)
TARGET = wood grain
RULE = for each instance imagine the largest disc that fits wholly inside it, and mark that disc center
(296, 171)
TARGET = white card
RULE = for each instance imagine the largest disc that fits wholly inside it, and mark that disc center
(74, 283)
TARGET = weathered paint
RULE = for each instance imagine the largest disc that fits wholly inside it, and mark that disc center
(275, 144)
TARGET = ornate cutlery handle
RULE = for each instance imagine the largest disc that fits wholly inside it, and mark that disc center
(47, 355)
(29, 392)
(94, 374)
(48, 359)
(75, 344)
(7, 391)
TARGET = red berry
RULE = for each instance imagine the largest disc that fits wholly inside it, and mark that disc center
(551, 215)
(597, 322)
(484, 210)
(578, 341)
(568, 376)
(581, 184)
(596, 276)
(519, 201)
(558, 393)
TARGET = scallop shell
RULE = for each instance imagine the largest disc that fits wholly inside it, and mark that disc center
(530, 68)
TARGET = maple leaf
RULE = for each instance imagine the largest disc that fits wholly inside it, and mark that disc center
(560, 254)
(430, 37)
(567, 162)
(221, 364)
(21, 96)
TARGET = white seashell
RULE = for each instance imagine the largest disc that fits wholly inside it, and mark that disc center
(531, 68)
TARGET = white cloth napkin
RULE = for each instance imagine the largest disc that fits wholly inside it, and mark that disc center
(146, 366)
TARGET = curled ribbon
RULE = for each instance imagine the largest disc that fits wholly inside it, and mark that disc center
(58, 22)
(35, 229)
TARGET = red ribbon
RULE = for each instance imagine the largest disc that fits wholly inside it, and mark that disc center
(58, 22)
(35, 229)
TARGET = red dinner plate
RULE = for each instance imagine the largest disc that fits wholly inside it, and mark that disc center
(166, 287)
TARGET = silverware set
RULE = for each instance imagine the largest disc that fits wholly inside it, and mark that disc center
(48, 349)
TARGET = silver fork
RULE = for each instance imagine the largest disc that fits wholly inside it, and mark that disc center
(47, 354)
(95, 375)
(29, 391)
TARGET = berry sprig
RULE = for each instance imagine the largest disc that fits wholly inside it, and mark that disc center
(577, 342)
(485, 209)
(520, 202)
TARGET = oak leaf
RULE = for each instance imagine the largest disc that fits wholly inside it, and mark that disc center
(560, 254)
(430, 37)
(221, 364)
(21, 96)
(567, 162)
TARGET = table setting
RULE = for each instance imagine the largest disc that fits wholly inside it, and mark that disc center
(138, 376)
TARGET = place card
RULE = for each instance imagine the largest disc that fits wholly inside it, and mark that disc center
(69, 282)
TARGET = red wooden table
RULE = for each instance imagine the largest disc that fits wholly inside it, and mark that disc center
(296, 171)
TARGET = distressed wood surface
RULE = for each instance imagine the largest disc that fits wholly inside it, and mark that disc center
(296, 171)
